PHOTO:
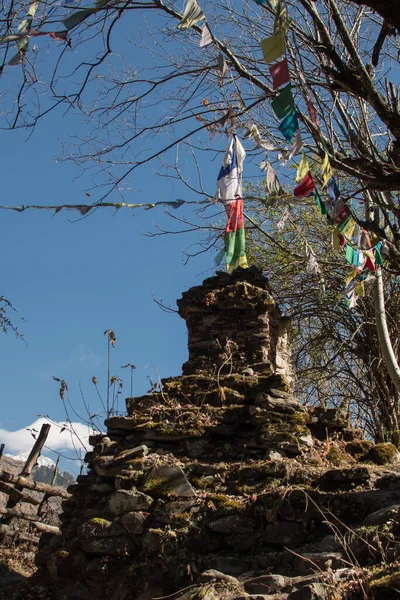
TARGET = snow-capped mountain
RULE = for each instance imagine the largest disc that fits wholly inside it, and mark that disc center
(43, 461)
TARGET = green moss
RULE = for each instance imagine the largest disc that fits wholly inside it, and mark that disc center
(156, 484)
(358, 447)
(386, 587)
(225, 502)
(99, 522)
(381, 454)
(337, 457)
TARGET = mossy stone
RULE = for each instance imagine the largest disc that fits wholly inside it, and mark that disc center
(382, 454)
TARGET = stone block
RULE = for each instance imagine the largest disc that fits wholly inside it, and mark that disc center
(383, 516)
(265, 584)
(124, 501)
(168, 480)
(345, 478)
(312, 591)
(133, 522)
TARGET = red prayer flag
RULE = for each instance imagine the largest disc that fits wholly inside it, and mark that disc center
(305, 187)
(280, 73)
(235, 216)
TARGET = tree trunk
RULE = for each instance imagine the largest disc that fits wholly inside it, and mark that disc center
(384, 338)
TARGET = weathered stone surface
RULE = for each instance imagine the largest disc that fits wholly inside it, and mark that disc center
(382, 454)
(213, 575)
(231, 524)
(284, 534)
(312, 591)
(100, 536)
(258, 336)
(166, 480)
(124, 501)
(307, 563)
(332, 418)
(383, 516)
(232, 565)
(345, 478)
(133, 522)
(288, 405)
(265, 584)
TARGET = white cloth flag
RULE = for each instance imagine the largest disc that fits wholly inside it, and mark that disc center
(206, 36)
(296, 145)
(192, 15)
(255, 135)
(229, 182)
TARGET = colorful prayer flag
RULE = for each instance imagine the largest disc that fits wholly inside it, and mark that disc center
(273, 47)
(229, 183)
(320, 203)
(280, 73)
(296, 146)
(235, 242)
(192, 15)
(289, 125)
(305, 187)
(332, 189)
(326, 170)
(283, 104)
(302, 169)
(206, 36)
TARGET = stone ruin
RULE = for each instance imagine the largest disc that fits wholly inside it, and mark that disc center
(220, 485)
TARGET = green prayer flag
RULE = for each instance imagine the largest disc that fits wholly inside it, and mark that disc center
(273, 47)
(349, 253)
(284, 102)
(378, 256)
(320, 203)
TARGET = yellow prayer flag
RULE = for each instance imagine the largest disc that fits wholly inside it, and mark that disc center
(273, 47)
(360, 290)
(335, 239)
(348, 229)
(350, 277)
(326, 170)
(303, 169)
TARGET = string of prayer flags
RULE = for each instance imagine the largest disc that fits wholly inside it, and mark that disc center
(235, 251)
(273, 47)
(289, 125)
(280, 73)
(79, 16)
(83, 209)
(283, 104)
(192, 15)
(229, 182)
(206, 36)
(229, 191)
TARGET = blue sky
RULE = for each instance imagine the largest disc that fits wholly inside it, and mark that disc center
(71, 281)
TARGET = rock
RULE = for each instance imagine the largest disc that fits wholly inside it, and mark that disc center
(124, 501)
(329, 544)
(231, 524)
(241, 542)
(265, 584)
(274, 454)
(168, 481)
(100, 536)
(332, 418)
(312, 591)
(284, 533)
(133, 522)
(173, 512)
(308, 563)
(383, 516)
(382, 454)
(306, 440)
(213, 575)
(344, 479)
(232, 565)
(288, 405)
(196, 448)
